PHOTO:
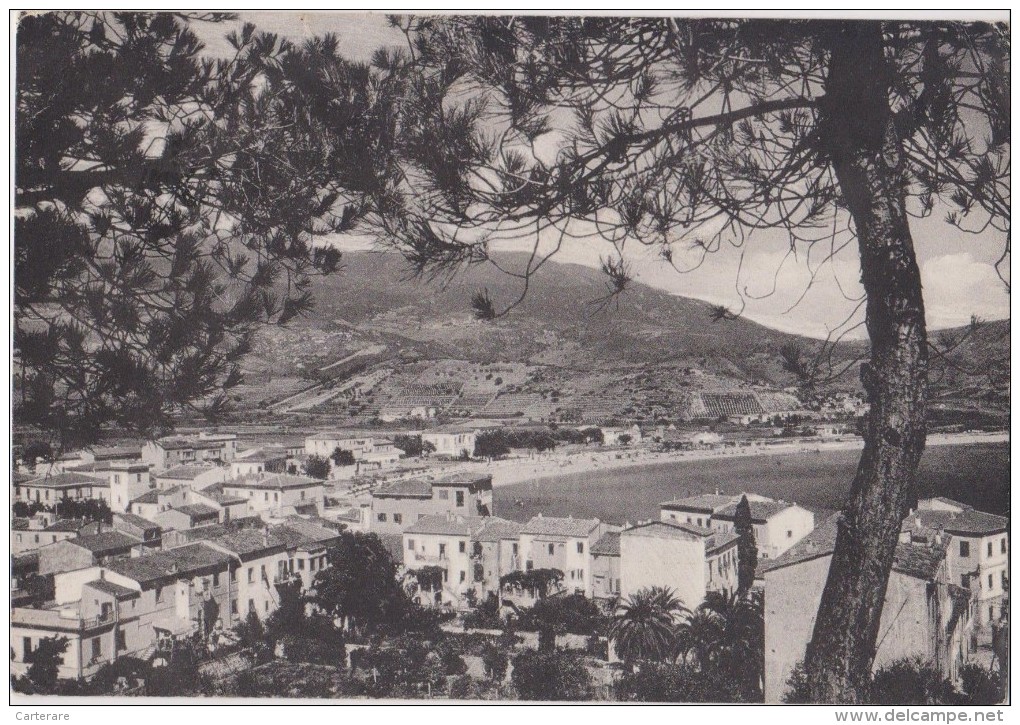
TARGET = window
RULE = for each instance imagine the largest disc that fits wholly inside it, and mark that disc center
(964, 548)
(233, 575)
(251, 575)
(121, 640)
(322, 561)
(410, 544)
(302, 495)
(381, 518)
(789, 534)
(1004, 580)
(37, 538)
(991, 582)
(398, 519)
(265, 605)
(266, 495)
(262, 571)
(233, 606)
(989, 548)
(463, 576)
(991, 613)
(552, 549)
(97, 648)
(216, 579)
(442, 550)
(444, 495)
(276, 496)
(963, 582)
(699, 522)
(1002, 547)
(311, 565)
(513, 548)
(529, 565)
(461, 547)
(159, 595)
(301, 564)
(460, 499)
(580, 547)
(251, 605)
(26, 646)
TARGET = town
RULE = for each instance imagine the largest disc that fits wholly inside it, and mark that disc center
(177, 550)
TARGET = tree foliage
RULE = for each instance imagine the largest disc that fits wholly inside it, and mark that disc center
(316, 467)
(165, 207)
(686, 135)
(747, 547)
(551, 676)
(44, 664)
(360, 584)
(644, 625)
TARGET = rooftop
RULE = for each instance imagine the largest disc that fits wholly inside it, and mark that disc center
(63, 480)
(918, 559)
(670, 530)
(705, 503)
(186, 473)
(608, 545)
(552, 526)
(67, 525)
(136, 520)
(106, 542)
(198, 510)
(411, 487)
(215, 493)
(114, 589)
(272, 481)
(188, 559)
(761, 511)
(496, 529)
(447, 524)
(968, 522)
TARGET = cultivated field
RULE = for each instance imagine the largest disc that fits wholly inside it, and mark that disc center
(975, 474)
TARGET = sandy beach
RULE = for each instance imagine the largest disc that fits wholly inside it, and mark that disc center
(550, 465)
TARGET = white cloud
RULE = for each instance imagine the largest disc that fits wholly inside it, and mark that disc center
(957, 286)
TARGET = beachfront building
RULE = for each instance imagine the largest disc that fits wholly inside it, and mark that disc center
(270, 493)
(565, 544)
(398, 504)
(925, 613)
(777, 525)
(615, 436)
(605, 569)
(690, 560)
(452, 441)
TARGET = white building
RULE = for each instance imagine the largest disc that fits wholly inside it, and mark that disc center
(454, 441)
(777, 525)
(547, 542)
(925, 614)
(688, 559)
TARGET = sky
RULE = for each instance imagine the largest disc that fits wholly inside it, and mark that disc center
(957, 269)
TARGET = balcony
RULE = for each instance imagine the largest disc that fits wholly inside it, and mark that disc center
(66, 620)
(440, 560)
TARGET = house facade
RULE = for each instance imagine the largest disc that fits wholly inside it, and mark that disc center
(548, 542)
(777, 525)
(271, 492)
(925, 613)
(605, 568)
(398, 504)
(455, 441)
(688, 559)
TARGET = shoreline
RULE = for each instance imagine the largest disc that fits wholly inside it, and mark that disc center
(513, 471)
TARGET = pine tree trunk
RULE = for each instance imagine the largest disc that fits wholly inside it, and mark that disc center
(857, 129)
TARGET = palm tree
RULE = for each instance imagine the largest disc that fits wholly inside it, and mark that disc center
(644, 625)
(727, 636)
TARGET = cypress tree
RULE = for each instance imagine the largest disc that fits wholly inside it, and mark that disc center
(747, 549)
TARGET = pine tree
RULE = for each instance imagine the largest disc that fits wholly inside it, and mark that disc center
(165, 208)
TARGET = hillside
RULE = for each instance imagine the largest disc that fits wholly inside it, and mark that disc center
(380, 339)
